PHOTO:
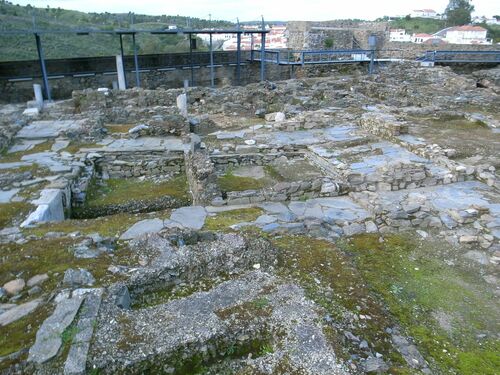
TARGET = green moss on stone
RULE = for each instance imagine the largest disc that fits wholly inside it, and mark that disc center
(223, 220)
(12, 212)
(230, 182)
(118, 191)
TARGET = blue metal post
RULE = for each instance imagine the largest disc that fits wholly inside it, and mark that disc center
(136, 60)
(263, 52)
(212, 78)
(42, 66)
(372, 61)
(238, 56)
(191, 58)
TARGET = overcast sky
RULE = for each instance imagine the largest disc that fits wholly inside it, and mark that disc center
(246, 10)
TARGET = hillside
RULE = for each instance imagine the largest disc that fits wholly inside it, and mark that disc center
(22, 47)
(431, 26)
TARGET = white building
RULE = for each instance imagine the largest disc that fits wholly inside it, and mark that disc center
(215, 37)
(488, 21)
(399, 35)
(425, 13)
(467, 34)
(420, 38)
(275, 39)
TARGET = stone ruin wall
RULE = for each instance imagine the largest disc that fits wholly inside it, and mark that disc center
(345, 34)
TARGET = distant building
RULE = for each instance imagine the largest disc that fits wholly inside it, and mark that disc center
(425, 13)
(420, 38)
(467, 34)
(275, 39)
(399, 35)
(486, 20)
(215, 37)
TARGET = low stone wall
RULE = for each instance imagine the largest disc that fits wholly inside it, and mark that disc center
(397, 175)
(286, 191)
(123, 165)
(383, 125)
(224, 161)
(410, 51)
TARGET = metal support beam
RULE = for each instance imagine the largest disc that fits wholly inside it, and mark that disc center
(372, 61)
(263, 52)
(191, 59)
(238, 59)
(41, 58)
(212, 78)
(123, 59)
(136, 61)
(251, 47)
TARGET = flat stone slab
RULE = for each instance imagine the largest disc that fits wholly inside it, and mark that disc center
(192, 217)
(25, 145)
(60, 144)
(14, 165)
(49, 129)
(50, 208)
(18, 312)
(173, 144)
(143, 227)
(229, 135)
(49, 159)
(310, 137)
(6, 195)
(77, 357)
(48, 338)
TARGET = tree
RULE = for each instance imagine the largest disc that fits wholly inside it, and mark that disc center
(458, 12)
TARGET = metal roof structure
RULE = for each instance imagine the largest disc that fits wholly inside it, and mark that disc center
(132, 32)
(135, 31)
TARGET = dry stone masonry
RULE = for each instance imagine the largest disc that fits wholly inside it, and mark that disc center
(236, 230)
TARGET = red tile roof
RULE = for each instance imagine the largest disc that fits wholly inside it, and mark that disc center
(467, 28)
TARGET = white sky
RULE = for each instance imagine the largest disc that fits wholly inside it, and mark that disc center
(283, 10)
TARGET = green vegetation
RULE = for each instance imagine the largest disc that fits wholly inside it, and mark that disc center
(21, 333)
(52, 256)
(16, 156)
(415, 285)
(22, 47)
(119, 128)
(223, 220)
(493, 32)
(108, 226)
(230, 182)
(112, 196)
(13, 211)
(328, 43)
(418, 25)
(69, 334)
(118, 191)
(74, 147)
(458, 12)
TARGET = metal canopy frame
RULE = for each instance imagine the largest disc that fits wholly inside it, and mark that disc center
(133, 32)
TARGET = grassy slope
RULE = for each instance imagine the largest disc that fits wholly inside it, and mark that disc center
(22, 47)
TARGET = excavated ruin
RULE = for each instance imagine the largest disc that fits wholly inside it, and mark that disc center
(346, 224)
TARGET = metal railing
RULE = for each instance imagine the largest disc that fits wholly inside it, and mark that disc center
(291, 57)
(449, 56)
